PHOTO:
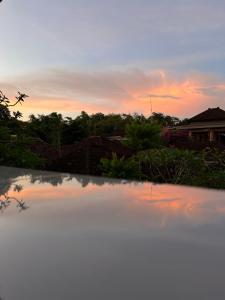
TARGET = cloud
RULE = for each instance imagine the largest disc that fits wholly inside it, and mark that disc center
(161, 96)
(213, 90)
(69, 91)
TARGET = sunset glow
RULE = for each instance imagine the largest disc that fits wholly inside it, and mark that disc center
(100, 58)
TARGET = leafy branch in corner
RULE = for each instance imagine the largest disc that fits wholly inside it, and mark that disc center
(5, 102)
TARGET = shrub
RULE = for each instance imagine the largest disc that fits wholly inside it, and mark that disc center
(120, 168)
(215, 158)
(211, 178)
(4, 133)
(171, 165)
(17, 155)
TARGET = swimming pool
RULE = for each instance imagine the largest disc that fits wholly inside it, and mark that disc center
(66, 236)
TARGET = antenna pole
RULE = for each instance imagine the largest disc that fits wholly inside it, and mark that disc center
(150, 100)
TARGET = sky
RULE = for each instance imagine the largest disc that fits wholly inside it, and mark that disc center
(112, 56)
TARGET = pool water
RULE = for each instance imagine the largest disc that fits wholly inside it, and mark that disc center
(77, 237)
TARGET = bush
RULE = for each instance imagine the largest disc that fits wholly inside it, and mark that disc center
(215, 158)
(4, 133)
(171, 165)
(17, 155)
(211, 178)
(143, 136)
(120, 168)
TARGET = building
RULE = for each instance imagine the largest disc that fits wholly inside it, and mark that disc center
(208, 126)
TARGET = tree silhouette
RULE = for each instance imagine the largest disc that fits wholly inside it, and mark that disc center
(5, 103)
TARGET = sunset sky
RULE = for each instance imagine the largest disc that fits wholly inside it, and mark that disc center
(111, 55)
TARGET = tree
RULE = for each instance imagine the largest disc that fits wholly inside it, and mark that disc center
(143, 136)
(5, 104)
(8, 119)
(164, 120)
(48, 128)
(4, 113)
(73, 131)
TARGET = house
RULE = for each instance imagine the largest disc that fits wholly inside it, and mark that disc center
(208, 126)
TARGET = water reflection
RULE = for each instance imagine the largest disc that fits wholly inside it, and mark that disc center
(9, 175)
(88, 237)
(164, 204)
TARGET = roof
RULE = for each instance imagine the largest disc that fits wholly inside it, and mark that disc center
(211, 114)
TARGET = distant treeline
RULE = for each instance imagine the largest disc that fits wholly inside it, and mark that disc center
(56, 130)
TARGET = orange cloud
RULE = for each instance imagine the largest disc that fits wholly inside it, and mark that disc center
(70, 92)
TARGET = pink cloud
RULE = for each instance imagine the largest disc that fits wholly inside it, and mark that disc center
(70, 92)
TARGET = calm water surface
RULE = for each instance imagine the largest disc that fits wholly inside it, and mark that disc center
(75, 237)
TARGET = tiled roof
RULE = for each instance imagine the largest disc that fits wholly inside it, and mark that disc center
(211, 114)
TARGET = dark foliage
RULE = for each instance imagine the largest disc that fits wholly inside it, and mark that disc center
(142, 136)
(84, 157)
(169, 165)
(18, 155)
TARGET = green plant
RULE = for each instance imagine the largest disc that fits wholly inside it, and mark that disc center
(17, 155)
(211, 179)
(171, 165)
(120, 168)
(214, 158)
